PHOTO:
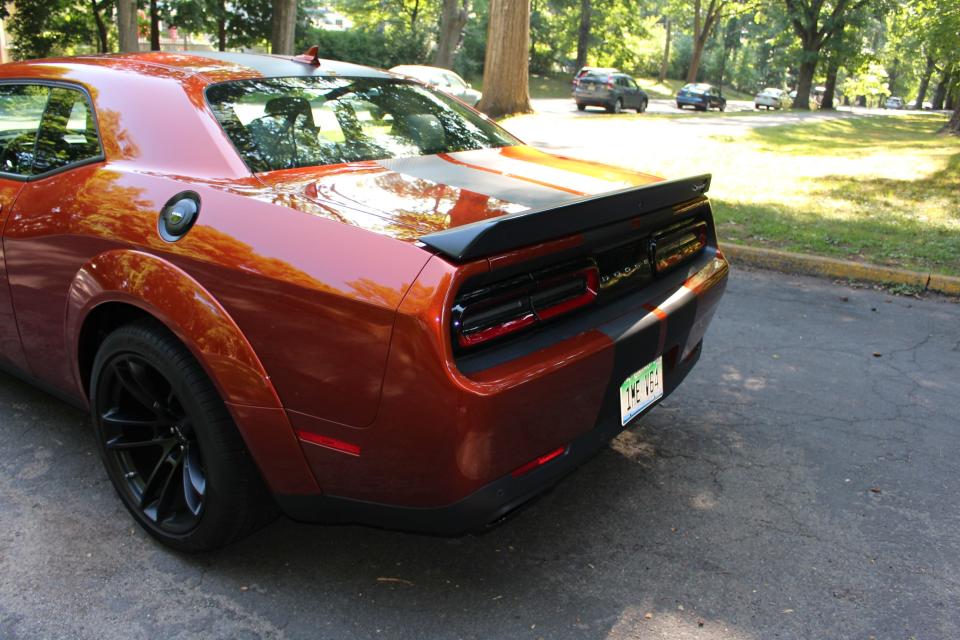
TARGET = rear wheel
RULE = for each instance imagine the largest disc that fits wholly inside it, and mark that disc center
(581, 107)
(616, 107)
(169, 445)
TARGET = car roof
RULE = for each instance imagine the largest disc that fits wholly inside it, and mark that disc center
(212, 66)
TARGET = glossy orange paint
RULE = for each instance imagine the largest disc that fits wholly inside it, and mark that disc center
(303, 292)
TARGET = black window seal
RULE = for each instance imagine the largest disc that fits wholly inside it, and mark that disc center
(101, 157)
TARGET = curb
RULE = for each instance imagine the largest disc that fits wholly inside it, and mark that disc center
(834, 268)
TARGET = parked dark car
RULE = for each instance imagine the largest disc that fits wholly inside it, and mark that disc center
(585, 70)
(701, 97)
(612, 91)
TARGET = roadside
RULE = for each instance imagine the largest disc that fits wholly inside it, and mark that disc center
(863, 187)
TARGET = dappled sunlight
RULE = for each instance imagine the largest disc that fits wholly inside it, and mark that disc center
(635, 622)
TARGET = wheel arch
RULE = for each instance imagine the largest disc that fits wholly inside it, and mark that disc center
(122, 286)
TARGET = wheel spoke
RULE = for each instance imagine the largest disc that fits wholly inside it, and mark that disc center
(194, 482)
(117, 418)
(156, 476)
(167, 492)
(135, 380)
(119, 443)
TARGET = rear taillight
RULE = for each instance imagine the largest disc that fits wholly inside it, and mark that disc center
(675, 245)
(505, 308)
(610, 84)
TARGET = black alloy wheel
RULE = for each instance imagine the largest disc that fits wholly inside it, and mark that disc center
(169, 445)
(151, 443)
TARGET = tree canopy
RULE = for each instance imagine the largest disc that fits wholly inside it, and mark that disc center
(859, 50)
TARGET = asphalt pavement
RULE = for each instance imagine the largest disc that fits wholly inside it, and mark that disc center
(802, 483)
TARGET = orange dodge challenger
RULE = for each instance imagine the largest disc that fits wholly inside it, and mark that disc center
(298, 283)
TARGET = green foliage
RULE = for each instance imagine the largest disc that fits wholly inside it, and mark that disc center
(42, 28)
(367, 46)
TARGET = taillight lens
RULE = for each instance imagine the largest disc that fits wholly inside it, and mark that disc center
(508, 307)
(676, 245)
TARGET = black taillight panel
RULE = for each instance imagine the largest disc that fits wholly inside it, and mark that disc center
(491, 312)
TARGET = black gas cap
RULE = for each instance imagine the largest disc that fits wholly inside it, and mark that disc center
(178, 215)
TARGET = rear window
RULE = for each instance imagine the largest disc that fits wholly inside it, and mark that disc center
(282, 123)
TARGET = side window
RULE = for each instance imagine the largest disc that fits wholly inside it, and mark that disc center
(21, 109)
(632, 84)
(67, 131)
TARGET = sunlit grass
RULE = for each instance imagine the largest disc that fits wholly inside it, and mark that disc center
(883, 190)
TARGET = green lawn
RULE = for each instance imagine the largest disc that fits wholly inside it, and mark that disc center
(884, 190)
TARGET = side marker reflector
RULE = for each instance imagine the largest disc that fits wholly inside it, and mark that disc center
(330, 443)
(539, 462)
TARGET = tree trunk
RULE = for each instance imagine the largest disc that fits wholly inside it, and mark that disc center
(282, 26)
(583, 34)
(665, 63)
(222, 25)
(453, 18)
(805, 78)
(940, 93)
(505, 73)
(695, 60)
(924, 83)
(154, 26)
(953, 127)
(102, 43)
(127, 25)
(830, 86)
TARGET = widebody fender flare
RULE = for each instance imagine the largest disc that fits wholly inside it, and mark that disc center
(166, 292)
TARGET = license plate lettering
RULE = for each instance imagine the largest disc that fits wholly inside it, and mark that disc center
(641, 390)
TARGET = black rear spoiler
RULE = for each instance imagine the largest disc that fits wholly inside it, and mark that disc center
(497, 235)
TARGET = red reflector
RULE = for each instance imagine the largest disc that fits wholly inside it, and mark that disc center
(330, 443)
(539, 462)
(476, 337)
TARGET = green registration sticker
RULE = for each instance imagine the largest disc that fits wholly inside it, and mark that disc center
(641, 390)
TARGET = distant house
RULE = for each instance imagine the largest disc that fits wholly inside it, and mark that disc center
(328, 19)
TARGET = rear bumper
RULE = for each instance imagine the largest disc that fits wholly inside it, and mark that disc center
(440, 455)
(689, 100)
(484, 507)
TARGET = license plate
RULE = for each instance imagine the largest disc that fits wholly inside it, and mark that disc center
(641, 390)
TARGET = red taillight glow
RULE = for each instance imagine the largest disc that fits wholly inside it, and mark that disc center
(538, 462)
(330, 443)
(496, 331)
(592, 278)
(506, 308)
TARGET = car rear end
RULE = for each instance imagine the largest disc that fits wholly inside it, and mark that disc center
(769, 99)
(596, 90)
(693, 97)
(514, 361)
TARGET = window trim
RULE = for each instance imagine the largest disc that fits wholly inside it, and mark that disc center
(100, 157)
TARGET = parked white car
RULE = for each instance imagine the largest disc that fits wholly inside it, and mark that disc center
(442, 79)
(770, 98)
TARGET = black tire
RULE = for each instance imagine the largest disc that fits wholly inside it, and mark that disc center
(757, 107)
(616, 107)
(179, 465)
(723, 106)
(581, 107)
(680, 106)
(642, 107)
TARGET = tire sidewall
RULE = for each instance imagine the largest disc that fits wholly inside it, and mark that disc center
(129, 341)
